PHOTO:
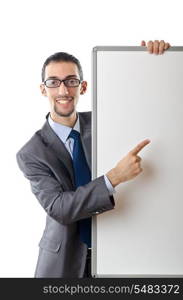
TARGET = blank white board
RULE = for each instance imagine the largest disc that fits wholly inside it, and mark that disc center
(137, 95)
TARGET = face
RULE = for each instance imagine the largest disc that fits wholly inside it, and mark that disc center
(63, 100)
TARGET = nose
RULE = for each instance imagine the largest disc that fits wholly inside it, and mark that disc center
(63, 89)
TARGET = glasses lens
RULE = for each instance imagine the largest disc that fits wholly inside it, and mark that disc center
(51, 83)
(72, 82)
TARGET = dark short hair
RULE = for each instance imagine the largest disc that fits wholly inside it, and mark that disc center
(62, 56)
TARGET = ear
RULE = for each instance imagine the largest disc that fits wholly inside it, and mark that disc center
(83, 87)
(43, 90)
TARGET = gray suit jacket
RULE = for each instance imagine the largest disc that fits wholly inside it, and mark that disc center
(45, 161)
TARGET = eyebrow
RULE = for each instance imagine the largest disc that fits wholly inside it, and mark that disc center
(67, 77)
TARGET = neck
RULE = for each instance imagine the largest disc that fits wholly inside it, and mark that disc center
(67, 121)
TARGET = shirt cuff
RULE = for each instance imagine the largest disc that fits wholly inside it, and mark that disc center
(109, 185)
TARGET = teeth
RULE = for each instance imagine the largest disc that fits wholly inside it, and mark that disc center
(63, 101)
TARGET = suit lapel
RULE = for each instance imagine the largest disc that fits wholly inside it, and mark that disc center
(58, 148)
(85, 132)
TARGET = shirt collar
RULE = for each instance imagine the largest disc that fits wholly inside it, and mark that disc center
(61, 130)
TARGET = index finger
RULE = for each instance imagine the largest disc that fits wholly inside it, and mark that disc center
(139, 147)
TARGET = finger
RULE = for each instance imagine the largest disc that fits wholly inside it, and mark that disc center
(143, 43)
(161, 47)
(138, 158)
(167, 45)
(139, 147)
(150, 47)
(137, 170)
(156, 47)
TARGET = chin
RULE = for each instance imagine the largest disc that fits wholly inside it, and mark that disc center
(64, 114)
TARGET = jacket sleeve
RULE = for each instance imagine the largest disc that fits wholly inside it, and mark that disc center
(64, 206)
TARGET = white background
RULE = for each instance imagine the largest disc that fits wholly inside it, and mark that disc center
(30, 31)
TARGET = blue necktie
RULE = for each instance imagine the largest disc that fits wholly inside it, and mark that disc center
(82, 176)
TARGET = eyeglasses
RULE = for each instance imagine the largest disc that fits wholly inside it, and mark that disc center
(54, 83)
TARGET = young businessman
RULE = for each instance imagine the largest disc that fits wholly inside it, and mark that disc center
(57, 161)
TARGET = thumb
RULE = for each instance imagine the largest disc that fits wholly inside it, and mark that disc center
(143, 43)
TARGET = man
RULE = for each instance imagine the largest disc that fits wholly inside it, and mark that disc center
(57, 161)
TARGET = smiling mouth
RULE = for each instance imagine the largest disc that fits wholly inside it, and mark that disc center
(64, 100)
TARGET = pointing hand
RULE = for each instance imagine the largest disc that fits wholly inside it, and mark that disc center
(128, 167)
